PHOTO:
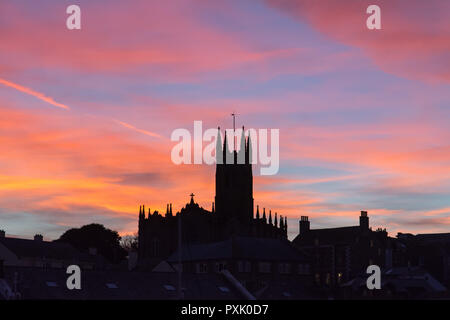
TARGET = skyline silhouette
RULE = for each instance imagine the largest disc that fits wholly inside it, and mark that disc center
(86, 115)
(230, 252)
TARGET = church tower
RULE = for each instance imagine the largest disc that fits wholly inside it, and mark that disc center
(234, 180)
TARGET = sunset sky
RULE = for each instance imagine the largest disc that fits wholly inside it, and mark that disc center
(86, 115)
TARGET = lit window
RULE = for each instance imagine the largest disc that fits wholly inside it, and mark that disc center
(111, 286)
(224, 289)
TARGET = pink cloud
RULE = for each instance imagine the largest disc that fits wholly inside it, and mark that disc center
(165, 40)
(61, 162)
(414, 40)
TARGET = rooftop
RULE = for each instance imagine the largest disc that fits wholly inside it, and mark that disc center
(240, 248)
(24, 248)
(36, 283)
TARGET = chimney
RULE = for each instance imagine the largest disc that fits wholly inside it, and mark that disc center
(93, 251)
(2, 233)
(364, 220)
(304, 225)
(38, 237)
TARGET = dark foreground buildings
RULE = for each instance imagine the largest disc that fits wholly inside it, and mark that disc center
(413, 266)
(267, 268)
(339, 254)
(38, 253)
(428, 251)
(110, 284)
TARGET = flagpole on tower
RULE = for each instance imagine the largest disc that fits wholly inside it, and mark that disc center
(234, 131)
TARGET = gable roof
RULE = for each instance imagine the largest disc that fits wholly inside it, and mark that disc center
(248, 248)
(434, 237)
(33, 248)
(37, 283)
(24, 248)
(402, 279)
(341, 234)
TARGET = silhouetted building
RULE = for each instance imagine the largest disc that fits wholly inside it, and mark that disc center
(232, 213)
(259, 264)
(45, 254)
(430, 251)
(339, 254)
(50, 284)
(396, 283)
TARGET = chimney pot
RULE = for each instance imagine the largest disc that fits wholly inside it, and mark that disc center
(364, 220)
(304, 225)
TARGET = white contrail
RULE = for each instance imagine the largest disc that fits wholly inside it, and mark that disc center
(50, 100)
(33, 93)
(129, 126)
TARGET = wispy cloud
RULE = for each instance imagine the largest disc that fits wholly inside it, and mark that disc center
(50, 100)
(129, 126)
(33, 93)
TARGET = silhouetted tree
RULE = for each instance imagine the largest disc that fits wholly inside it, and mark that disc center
(129, 242)
(106, 241)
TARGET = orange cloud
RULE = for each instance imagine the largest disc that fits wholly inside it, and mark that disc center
(92, 169)
(61, 163)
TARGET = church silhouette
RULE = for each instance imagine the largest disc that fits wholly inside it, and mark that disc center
(232, 213)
